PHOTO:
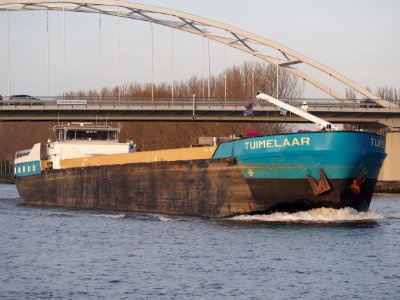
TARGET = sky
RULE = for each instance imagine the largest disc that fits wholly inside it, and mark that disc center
(358, 38)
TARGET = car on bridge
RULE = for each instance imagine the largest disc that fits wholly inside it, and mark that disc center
(24, 100)
(367, 103)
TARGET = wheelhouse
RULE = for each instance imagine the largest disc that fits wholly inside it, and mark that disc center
(85, 132)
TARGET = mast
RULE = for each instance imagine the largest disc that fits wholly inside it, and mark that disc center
(322, 125)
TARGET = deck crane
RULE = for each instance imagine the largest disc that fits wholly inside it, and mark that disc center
(322, 125)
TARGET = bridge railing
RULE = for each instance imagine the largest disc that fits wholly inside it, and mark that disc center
(25, 101)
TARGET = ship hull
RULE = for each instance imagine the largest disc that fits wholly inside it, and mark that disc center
(200, 188)
(286, 172)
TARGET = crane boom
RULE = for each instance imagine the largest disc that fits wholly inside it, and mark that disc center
(321, 124)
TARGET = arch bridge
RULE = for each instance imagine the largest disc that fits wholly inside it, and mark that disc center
(269, 51)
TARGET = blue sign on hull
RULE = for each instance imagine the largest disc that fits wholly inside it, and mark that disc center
(340, 154)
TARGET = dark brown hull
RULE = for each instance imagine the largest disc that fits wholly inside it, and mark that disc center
(200, 188)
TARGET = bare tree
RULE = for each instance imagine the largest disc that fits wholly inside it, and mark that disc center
(389, 93)
(241, 83)
(351, 94)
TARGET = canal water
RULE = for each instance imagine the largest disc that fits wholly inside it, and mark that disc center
(52, 253)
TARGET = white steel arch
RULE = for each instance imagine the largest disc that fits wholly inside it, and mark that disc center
(242, 40)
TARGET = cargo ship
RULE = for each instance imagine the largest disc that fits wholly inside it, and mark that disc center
(85, 166)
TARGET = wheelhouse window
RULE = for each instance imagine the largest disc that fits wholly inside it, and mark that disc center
(70, 135)
(22, 153)
(91, 135)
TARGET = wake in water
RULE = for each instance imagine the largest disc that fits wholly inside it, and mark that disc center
(166, 218)
(112, 216)
(317, 215)
(163, 218)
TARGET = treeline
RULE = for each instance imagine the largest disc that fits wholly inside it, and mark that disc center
(389, 93)
(241, 82)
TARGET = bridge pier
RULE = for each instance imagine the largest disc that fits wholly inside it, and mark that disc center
(391, 167)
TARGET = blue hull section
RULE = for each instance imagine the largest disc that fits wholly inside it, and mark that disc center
(341, 155)
(28, 168)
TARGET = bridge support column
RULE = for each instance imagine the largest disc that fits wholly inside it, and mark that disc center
(391, 167)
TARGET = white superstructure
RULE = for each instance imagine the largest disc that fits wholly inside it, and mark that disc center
(27, 162)
(77, 140)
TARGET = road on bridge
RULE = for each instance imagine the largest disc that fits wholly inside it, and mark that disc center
(192, 109)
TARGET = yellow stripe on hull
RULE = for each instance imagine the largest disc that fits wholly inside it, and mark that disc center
(140, 157)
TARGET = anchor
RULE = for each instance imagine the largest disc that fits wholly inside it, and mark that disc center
(357, 183)
(319, 186)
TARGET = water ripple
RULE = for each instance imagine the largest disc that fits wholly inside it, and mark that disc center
(54, 253)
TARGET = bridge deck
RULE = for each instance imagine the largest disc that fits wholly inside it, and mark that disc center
(184, 109)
